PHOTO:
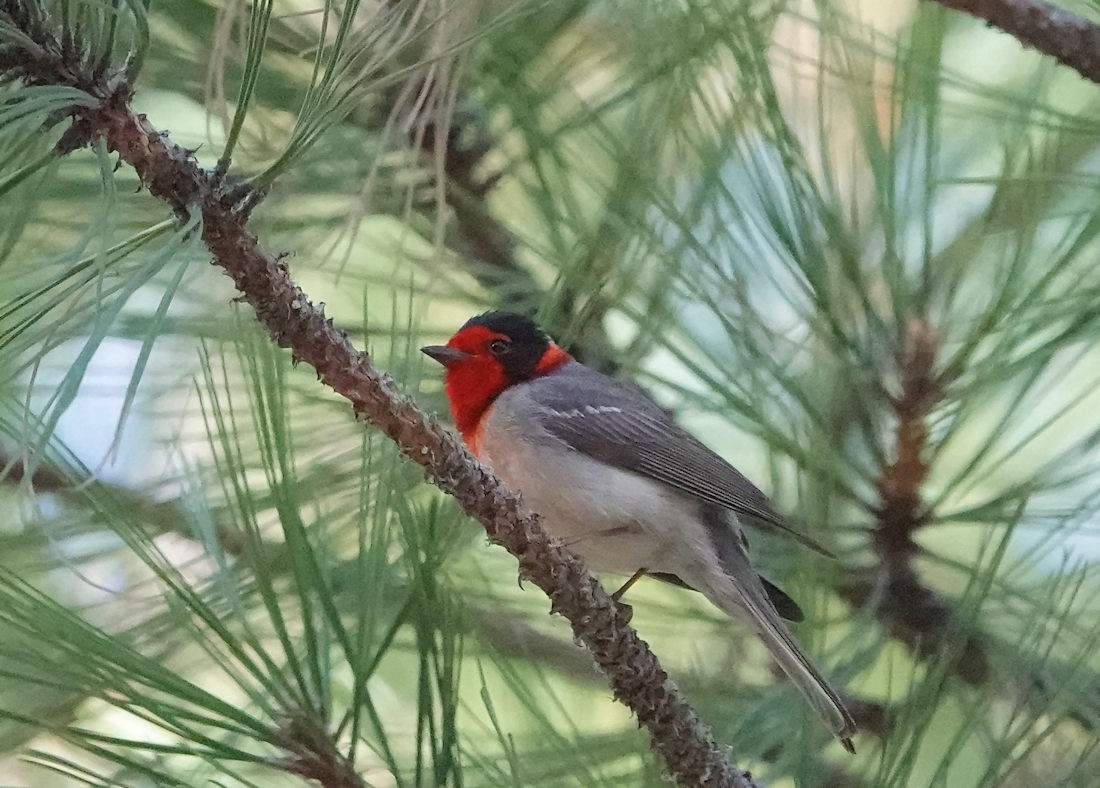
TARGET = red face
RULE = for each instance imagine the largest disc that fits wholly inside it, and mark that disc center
(489, 354)
(476, 378)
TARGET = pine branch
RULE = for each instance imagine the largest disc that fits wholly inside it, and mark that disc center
(1072, 40)
(913, 613)
(293, 321)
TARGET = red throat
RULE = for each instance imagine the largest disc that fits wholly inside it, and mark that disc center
(471, 388)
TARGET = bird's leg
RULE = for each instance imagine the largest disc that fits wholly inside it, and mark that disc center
(634, 578)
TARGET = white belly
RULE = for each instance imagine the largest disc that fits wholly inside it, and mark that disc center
(616, 520)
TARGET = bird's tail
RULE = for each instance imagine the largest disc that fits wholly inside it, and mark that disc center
(743, 596)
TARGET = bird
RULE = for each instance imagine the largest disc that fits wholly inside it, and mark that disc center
(617, 480)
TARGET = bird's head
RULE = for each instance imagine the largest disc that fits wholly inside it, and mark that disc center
(487, 355)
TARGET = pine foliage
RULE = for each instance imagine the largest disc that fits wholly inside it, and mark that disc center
(855, 255)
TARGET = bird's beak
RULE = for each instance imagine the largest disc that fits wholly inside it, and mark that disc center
(445, 355)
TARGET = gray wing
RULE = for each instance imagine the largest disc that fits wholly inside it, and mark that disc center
(622, 426)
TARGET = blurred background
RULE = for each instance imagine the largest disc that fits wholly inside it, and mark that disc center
(853, 246)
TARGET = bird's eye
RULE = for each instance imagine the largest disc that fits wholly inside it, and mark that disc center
(499, 346)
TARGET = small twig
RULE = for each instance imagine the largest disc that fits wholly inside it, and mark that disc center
(43, 478)
(314, 755)
(873, 717)
(487, 243)
(901, 511)
(1070, 39)
(167, 516)
(479, 235)
(916, 616)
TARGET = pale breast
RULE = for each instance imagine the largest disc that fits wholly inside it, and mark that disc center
(617, 520)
